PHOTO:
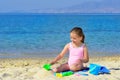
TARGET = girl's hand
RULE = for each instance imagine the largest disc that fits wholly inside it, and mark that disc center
(53, 62)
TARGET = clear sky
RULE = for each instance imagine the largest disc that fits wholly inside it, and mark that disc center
(29, 5)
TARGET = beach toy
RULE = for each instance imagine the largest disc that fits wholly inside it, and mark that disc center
(97, 69)
(103, 70)
(47, 66)
(58, 75)
(62, 74)
(81, 73)
(67, 73)
(94, 69)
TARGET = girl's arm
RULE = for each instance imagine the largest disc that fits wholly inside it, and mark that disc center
(63, 52)
(86, 56)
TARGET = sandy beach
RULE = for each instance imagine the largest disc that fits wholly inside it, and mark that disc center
(31, 69)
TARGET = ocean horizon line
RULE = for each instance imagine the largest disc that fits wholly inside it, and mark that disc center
(35, 13)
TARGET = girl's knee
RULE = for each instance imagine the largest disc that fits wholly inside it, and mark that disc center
(73, 69)
(76, 67)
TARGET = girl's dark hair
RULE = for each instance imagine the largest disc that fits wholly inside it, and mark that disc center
(79, 32)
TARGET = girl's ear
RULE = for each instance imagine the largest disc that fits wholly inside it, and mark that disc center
(81, 38)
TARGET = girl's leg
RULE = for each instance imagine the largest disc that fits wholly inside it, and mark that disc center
(76, 66)
(61, 68)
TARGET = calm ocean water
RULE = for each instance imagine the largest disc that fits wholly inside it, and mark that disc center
(44, 35)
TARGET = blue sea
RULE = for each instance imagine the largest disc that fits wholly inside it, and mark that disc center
(45, 35)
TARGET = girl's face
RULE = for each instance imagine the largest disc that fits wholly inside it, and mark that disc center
(75, 38)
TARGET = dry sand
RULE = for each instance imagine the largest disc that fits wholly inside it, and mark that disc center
(31, 69)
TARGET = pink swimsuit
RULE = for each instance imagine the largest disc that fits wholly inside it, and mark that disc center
(75, 54)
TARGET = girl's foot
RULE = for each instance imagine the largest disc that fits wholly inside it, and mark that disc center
(54, 70)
